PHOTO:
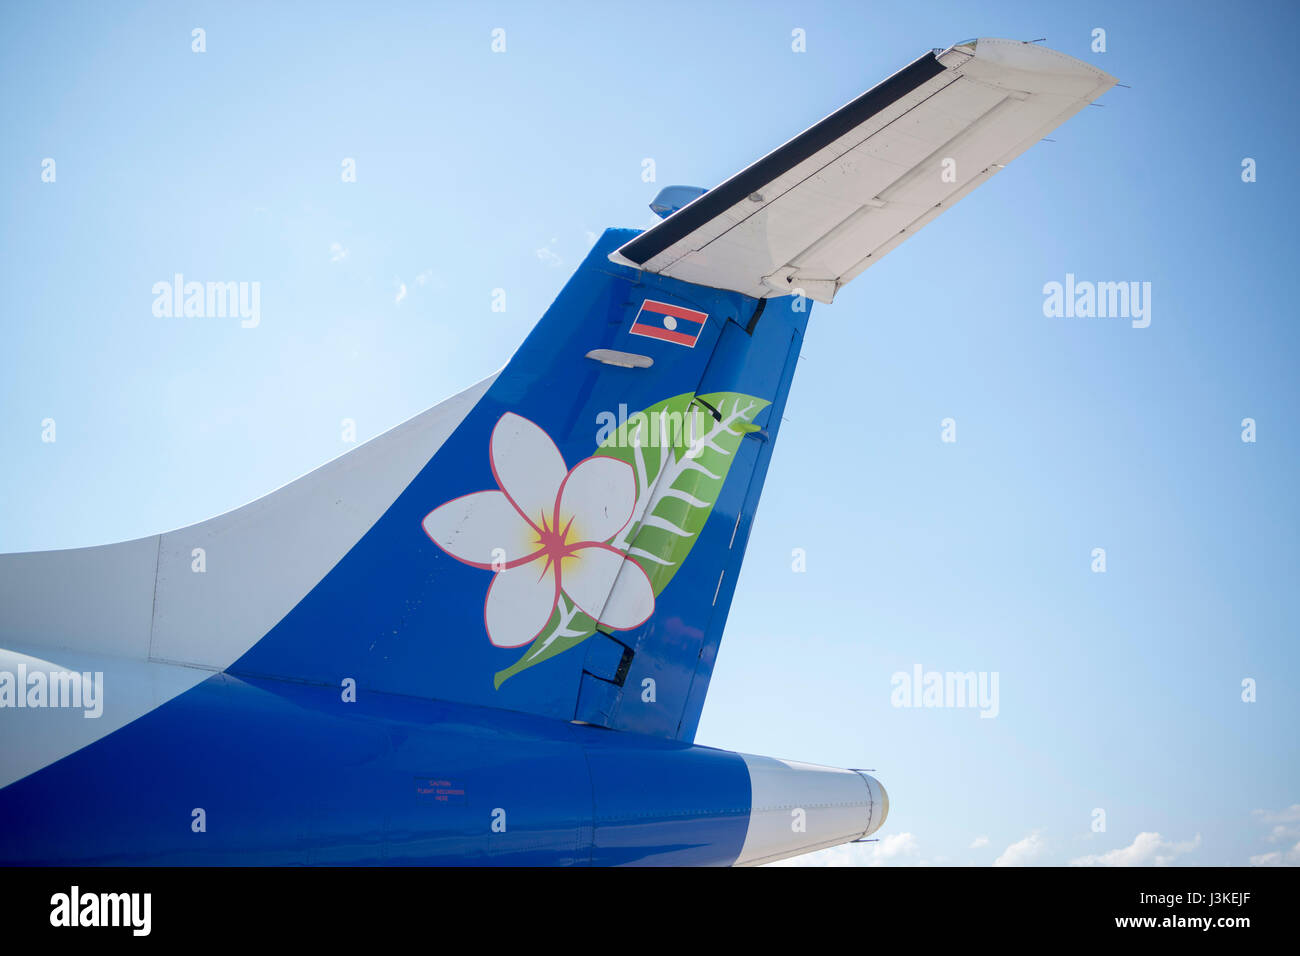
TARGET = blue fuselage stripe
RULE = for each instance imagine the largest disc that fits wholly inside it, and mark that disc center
(286, 774)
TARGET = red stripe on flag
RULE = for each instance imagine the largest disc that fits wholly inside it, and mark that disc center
(651, 332)
(676, 311)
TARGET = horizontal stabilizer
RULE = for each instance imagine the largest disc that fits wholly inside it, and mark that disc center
(817, 211)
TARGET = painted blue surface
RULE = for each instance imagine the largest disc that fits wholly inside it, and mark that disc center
(289, 774)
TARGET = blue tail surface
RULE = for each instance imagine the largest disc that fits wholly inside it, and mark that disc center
(571, 550)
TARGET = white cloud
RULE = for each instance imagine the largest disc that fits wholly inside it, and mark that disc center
(1022, 852)
(1285, 829)
(401, 292)
(897, 849)
(337, 252)
(978, 842)
(1284, 832)
(1290, 815)
(548, 256)
(1286, 823)
(424, 277)
(1147, 849)
(1289, 857)
(893, 846)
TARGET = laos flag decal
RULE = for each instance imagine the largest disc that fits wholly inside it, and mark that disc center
(671, 323)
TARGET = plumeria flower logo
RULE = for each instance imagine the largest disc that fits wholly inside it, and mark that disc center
(544, 533)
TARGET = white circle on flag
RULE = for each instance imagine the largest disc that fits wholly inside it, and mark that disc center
(670, 323)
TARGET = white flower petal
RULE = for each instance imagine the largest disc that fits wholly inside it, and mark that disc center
(609, 587)
(527, 466)
(632, 601)
(519, 603)
(598, 495)
(473, 527)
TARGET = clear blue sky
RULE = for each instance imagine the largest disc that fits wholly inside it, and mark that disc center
(476, 170)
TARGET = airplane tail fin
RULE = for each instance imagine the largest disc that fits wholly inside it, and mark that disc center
(562, 539)
(565, 538)
(572, 548)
